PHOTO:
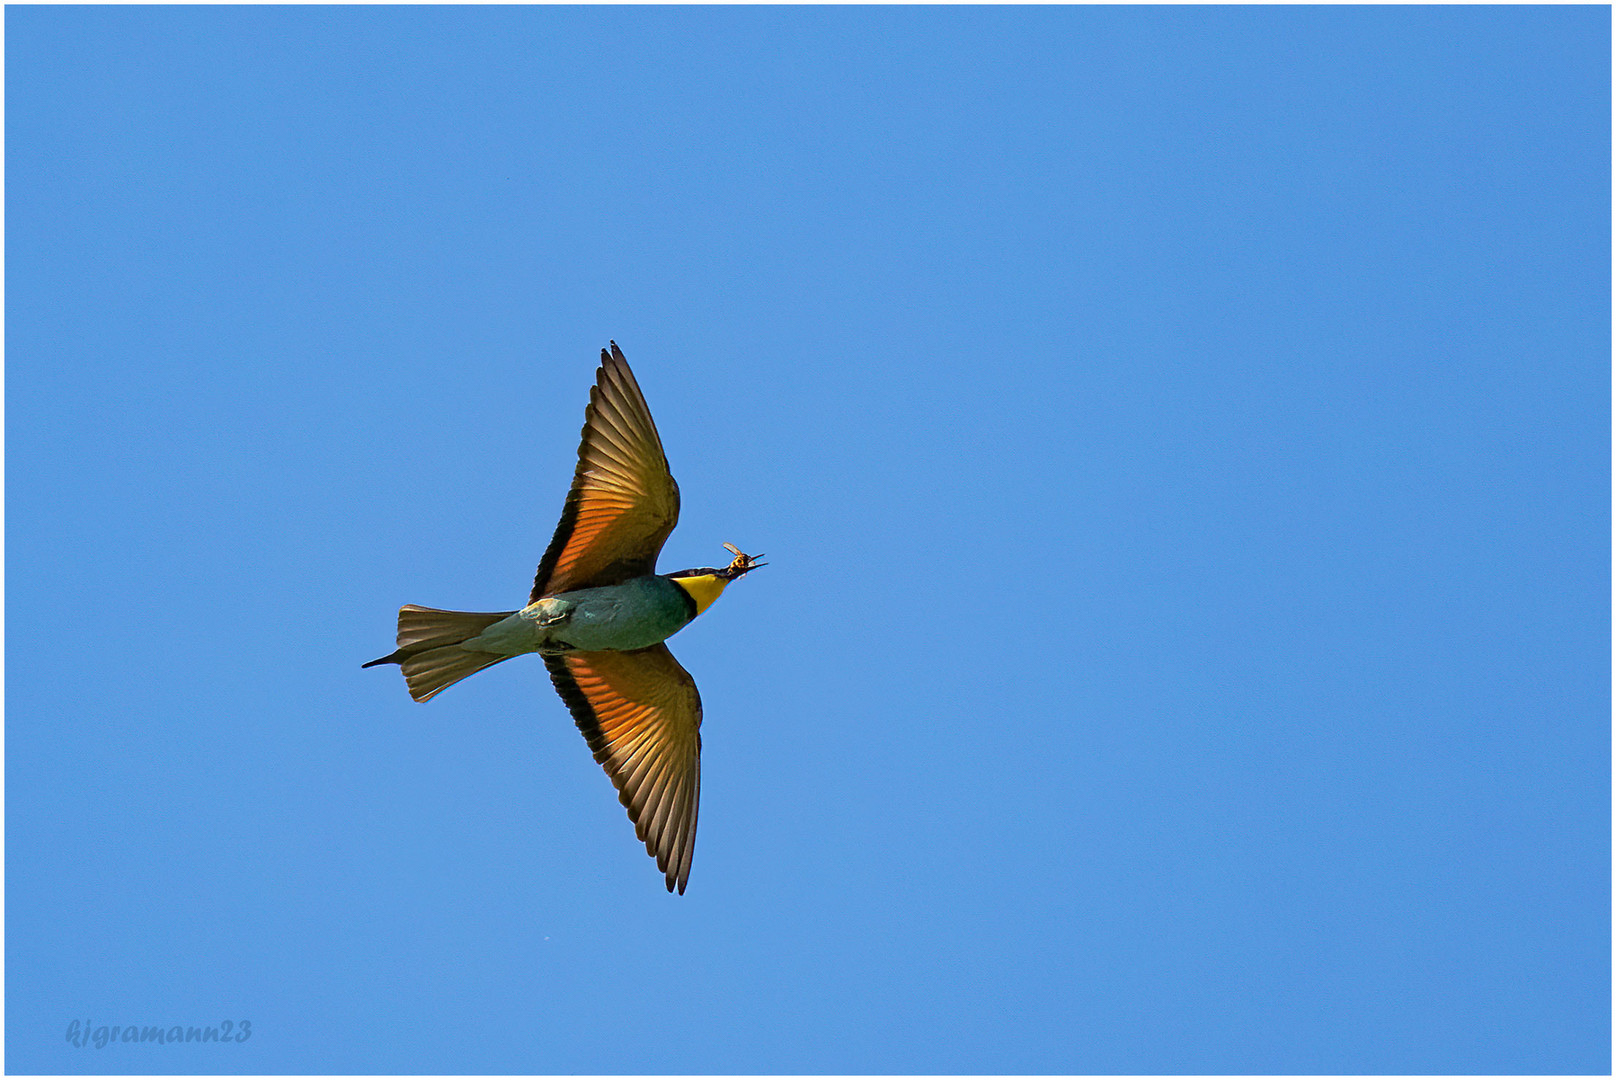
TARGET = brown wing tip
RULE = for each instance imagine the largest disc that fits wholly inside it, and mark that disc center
(613, 369)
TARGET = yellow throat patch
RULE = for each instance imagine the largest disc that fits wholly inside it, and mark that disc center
(703, 589)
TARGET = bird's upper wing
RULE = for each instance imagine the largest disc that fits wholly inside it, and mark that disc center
(623, 502)
(641, 714)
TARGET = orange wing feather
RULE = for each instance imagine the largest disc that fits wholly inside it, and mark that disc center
(623, 502)
(641, 715)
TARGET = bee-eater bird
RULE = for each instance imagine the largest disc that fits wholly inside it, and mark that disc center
(598, 615)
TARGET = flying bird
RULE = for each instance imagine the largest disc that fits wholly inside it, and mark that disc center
(599, 615)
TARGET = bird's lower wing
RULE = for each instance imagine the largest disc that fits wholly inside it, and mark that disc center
(641, 715)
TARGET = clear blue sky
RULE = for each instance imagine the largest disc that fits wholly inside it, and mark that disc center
(1180, 439)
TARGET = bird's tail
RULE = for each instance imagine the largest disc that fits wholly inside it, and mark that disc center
(429, 649)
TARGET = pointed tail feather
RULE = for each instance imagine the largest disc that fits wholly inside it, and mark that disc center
(429, 649)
